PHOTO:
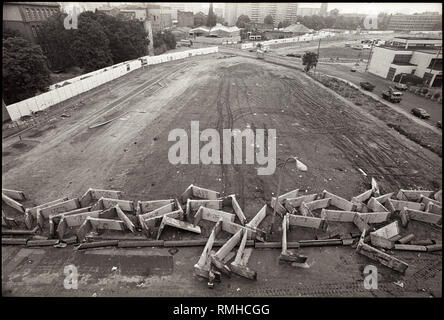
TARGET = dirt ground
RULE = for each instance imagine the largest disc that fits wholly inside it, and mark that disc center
(330, 135)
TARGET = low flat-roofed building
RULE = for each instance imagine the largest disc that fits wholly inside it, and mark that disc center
(390, 61)
(416, 42)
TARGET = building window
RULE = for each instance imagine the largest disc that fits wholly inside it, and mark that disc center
(34, 32)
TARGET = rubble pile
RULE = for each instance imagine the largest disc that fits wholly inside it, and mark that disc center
(79, 221)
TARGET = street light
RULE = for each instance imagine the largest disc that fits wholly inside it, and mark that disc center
(300, 166)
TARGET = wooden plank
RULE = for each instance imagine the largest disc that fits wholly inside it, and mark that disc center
(361, 224)
(65, 206)
(98, 244)
(375, 217)
(383, 198)
(107, 224)
(389, 231)
(19, 232)
(280, 209)
(382, 257)
(203, 264)
(406, 239)
(40, 243)
(193, 205)
(338, 215)
(232, 228)
(148, 206)
(307, 222)
(379, 241)
(294, 203)
(363, 196)
(68, 213)
(434, 247)
(14, 194)
(187, 193)
(376, 206)
(427, 200)
(212, 215)
(423, 216)
(258, 218)
(397, 205)
(96, 194)
(438, 196)
(125, 219)
(159, 211)
(76, 220)
(413, 195)
(84, 229)
(140, 243)
(125, 205)
(434, 208)
(14, 241)
(229, 245)
(12, 203)
(167, 221)
(238, 210)
(204, 193)
(307, 207)
(33, 211)
(338, 202)
(409, 247)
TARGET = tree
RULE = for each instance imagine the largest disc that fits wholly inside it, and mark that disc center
(11, 33)
(163, 41)
(56, 42)
(309, 60)
(269, 19)
(334, 12)
(200, 19)
(90, 44)
(242, 20)
(211, 19)
(280, 25)
(25, 71)
(127, 38)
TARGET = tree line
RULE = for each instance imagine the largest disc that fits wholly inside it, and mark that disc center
(99, 41)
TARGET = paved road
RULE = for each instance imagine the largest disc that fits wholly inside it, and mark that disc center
(409, 100)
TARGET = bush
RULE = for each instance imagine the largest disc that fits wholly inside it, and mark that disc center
(424, 91)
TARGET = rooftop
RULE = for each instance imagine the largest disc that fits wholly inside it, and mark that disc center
(417, 38)
(418, 49)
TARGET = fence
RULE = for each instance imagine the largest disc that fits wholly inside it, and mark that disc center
(70, 88)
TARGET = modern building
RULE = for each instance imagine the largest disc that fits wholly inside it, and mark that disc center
(27, 17)
(282, 11)
(308, 11)
(423, 60)
(160, 19)
(323, 10)
(415, 22)
(185, 19)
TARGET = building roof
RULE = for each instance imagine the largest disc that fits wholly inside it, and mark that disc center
(48, 4)
(300, 28)
(417, 38)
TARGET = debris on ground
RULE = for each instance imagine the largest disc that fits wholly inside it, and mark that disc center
(97, 210)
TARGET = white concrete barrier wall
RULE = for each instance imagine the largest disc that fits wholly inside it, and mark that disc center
(91, 80)
(306, 37)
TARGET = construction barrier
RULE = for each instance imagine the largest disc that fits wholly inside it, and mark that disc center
(69, 88)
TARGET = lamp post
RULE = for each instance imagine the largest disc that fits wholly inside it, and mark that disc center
(300, 166)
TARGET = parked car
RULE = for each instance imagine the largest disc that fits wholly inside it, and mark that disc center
(420, 113)
(353, 69)
(392, 96)
(401, 86)
(367, 86)
(347, 44)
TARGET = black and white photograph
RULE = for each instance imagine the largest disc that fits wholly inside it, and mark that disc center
(222, 150)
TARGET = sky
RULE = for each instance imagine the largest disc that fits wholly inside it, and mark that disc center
(367, 7)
